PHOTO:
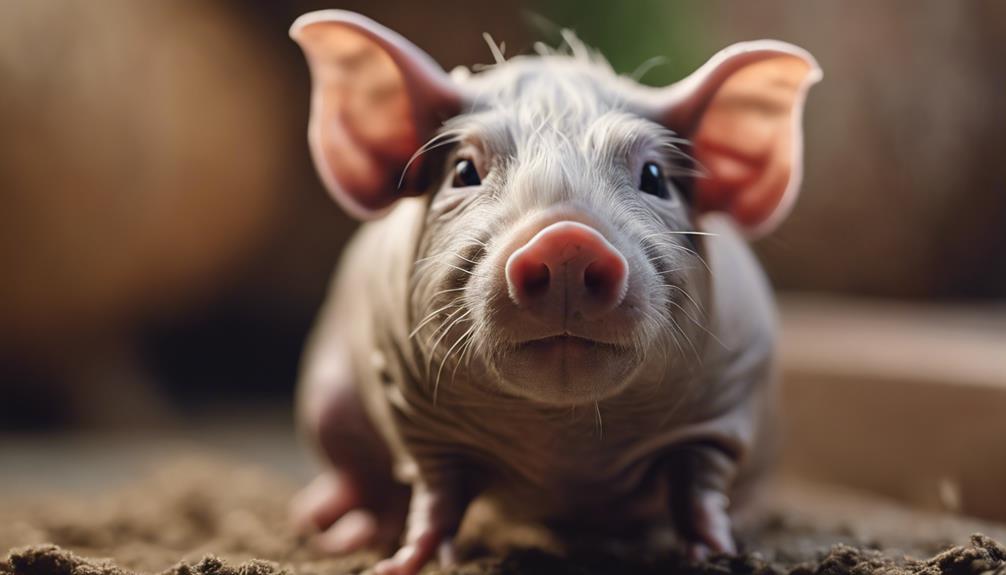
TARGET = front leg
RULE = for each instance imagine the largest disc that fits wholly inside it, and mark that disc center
(700, 477)
(435, 513)
(355, 502)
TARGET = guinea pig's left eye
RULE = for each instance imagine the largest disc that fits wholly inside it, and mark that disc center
(652, 181)
(466, 174)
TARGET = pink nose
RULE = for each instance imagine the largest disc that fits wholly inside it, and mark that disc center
(567, 269)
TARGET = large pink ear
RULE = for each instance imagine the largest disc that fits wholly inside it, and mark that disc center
(742, 112)
(375, 99)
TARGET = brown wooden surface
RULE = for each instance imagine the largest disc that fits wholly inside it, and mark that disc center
(904, 401)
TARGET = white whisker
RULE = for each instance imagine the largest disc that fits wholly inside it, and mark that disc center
(430, 145)
(436, 344)
(694, 253)
(461, 354)
(430, 317)
(440, 370)
(447, 320)
(449, 290)
(460, 269)
(687, 295)
(700, 325)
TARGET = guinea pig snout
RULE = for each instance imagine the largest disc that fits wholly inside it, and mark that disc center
(568, 269)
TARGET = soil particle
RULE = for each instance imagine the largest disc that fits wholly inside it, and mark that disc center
(200, 518)
(981, 556)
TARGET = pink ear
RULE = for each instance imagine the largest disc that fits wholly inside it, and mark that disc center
(742, 112)
(375, 99)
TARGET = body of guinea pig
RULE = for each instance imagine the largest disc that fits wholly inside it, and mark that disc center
(554, 305)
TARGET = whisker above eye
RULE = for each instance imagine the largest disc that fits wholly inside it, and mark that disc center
(434, 143)
(674, 143)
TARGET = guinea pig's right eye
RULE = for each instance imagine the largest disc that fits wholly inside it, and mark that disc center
(466, 174)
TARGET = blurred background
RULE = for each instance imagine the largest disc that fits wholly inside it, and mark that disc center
(165, 243)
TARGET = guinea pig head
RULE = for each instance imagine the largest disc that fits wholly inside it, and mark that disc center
(562, 253)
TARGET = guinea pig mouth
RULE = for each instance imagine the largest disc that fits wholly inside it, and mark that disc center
(570, 341)
(565, 369)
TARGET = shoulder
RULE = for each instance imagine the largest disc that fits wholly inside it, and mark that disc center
(743, 307)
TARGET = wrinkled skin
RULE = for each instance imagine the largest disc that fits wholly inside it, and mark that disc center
(566, 320)
(654, 456)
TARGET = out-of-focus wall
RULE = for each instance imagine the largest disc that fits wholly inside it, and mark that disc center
(162, 228)
(140, 168)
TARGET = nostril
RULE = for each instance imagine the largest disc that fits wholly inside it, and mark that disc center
(528, 276)
(604, 278)
(536, 279)
(595, 277)
(569, 265)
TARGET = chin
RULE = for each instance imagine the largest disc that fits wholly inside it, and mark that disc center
(566, 370)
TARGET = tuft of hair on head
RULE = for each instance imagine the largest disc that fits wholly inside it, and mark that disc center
(498, 50)
(575, 48)
(568, 43)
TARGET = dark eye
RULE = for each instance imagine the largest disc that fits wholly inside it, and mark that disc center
(465, 174)
(652, 181)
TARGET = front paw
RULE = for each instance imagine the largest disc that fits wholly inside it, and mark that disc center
(700, 477)
(344, 516)
(705, 525)
(434, 518)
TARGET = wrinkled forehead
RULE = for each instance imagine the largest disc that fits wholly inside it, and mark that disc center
(537, 105)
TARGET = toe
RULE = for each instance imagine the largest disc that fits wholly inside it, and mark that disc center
(712, 523)
(447, 553)
(697, 552)
(321, 503)
(353, 531)
(411, 557)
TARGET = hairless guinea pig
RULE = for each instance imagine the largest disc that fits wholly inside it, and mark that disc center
(552, 305)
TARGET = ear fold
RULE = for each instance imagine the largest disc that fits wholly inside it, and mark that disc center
(375, 99)
(742, 112)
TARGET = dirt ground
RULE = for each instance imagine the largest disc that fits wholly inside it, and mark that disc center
(207, 517)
